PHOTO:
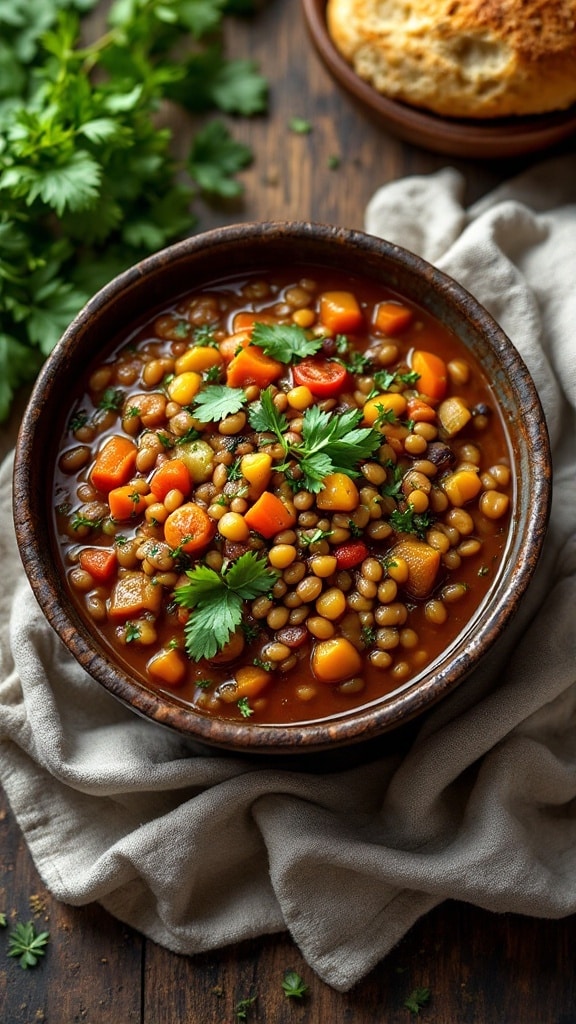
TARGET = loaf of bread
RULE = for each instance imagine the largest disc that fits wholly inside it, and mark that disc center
(462, 58)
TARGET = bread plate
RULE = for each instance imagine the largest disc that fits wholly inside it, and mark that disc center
(494, 139)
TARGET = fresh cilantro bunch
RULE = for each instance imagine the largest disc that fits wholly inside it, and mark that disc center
(88, 180)
(216, 600)
(331, 443)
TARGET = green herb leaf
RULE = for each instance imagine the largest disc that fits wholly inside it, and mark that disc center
(285, 342)
(27, 944)
(409, 521)
(217, 401)
(300, 125)
(264, 416)
(244, 707)
(417, 999)
(215, 158)
(294, 986)
(216, 600)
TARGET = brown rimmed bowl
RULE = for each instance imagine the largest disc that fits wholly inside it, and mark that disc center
(210, 257)
(490, 140)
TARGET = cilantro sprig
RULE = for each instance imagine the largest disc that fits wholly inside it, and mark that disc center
(216, 600)
(89, 183)
(217, 401)
(285, 342)
(331, 442)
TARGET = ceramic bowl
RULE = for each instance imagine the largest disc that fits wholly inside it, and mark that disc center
(212, 256)
(496, 139)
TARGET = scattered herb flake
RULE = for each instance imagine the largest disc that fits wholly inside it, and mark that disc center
(294, 986)
(27, 944)
(217, 401)
(417, 1000)
(285, 342)
(300, 125)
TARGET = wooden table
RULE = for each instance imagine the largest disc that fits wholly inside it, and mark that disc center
(480, 968)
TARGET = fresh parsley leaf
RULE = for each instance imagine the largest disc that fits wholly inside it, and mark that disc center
(417, 999)
(294, 986)
(285, 342)
(264, 416)
(335, 439)
(27, 944)
(3, 921)
(215, 158)
(216, 601)
(217, 401)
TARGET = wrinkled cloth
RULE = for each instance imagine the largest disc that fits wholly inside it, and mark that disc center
(199, 849)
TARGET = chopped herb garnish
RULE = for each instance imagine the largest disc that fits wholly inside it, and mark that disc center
(78, 520)
(417, 999)
(216, 600)
(165, 440)
(334, 162)
(384, 379)
(242, 1009)
(78, 420)
(132, 632)
(204, 335)
(409, 521)
(112, 399)
(244, 707)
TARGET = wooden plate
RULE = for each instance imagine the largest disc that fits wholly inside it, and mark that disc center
(494, 139)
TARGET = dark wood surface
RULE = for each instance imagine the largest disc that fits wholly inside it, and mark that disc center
(480, 968)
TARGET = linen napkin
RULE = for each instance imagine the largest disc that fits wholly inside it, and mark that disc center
(198, 849)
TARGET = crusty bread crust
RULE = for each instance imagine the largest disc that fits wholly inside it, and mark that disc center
(462, 58)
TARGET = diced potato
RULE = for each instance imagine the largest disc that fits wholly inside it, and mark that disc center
(132, 595)
(453, 414)
(198, 456)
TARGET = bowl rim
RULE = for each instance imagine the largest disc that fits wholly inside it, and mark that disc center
(33, 532)
(490, 139)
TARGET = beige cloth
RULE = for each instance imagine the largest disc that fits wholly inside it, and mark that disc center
(198, 850)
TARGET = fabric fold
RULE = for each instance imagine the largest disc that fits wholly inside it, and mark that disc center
(198, 849)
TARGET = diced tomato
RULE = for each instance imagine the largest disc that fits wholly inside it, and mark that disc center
(324, 377)
(351, 554)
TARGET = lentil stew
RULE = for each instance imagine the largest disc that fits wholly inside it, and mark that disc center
(281, 497)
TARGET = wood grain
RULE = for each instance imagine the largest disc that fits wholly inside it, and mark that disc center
(480, 968)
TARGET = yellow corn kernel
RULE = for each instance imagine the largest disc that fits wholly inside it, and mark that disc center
(183, 387)
(378, 404)
(198, 359)
(300, 398)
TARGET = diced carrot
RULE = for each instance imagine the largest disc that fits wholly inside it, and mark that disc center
(419, 411)
(335, 659)
(392, 317)
(172, 475)
(423, 563)
(99, 562)
(432, 374)
(114, 463)
(339, 494)
(461, 486)
(386, 402)
(340, 312)
(189, 528)
(245, 320)
(132, 595)
(269, 515)
(230, 346)
(168, 666)
(252, 366)
(256, 468)
(126, 502)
